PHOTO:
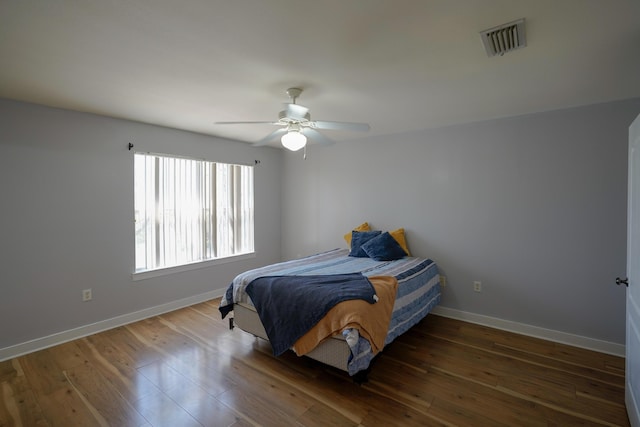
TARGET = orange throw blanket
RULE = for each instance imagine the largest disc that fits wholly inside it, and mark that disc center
(371, 320)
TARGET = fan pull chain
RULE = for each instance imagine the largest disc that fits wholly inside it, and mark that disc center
(304, 153)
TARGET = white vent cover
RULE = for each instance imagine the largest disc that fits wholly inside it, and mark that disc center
(504, 38)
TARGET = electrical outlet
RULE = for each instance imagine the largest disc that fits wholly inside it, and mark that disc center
(477, 286)
(86, 295)
(443, 281)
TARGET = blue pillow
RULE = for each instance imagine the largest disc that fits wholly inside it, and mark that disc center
(359, 238)
(383, 248)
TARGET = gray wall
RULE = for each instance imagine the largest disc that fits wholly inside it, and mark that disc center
(533, 206)
(66, 183)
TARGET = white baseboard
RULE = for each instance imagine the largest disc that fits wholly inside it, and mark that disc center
(533, 331)
(493, 322)
(83, 331)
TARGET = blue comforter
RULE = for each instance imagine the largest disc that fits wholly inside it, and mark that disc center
(289, 306)
(418, 290)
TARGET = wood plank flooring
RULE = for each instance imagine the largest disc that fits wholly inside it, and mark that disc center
(186, 368)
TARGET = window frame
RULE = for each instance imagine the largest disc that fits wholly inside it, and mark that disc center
(221, 251)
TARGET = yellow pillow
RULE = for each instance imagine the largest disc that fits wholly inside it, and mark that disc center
(362, 227)
(399, 236)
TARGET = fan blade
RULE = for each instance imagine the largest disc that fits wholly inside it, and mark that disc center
(246, 123)
(317, 136)
(267, 139)
(295, 111)
(357, 127)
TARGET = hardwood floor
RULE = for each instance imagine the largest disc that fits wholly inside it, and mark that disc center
(186, 368)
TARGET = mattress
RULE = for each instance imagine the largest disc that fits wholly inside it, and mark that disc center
(418, 292)
(334, 351)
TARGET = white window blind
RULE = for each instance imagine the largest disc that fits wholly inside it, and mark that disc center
(190, 210)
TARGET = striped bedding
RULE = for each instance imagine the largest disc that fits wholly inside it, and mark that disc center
(418, 290)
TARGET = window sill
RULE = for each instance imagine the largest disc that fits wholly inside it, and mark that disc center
(147, 274)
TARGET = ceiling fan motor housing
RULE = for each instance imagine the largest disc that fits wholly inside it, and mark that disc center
(286, 119)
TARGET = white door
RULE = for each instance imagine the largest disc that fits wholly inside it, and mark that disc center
(632, 383)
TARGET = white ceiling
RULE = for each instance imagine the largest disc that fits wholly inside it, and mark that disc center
(399, 65)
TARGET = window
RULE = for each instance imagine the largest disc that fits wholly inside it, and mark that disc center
(190, 210)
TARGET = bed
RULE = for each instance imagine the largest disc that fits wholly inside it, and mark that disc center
(415, 289)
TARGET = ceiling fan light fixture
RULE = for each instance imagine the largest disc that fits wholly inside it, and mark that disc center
(293, 140)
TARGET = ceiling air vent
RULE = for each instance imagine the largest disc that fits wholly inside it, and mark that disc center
(504, 38)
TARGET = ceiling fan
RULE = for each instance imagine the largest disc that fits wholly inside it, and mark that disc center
(297, 126)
